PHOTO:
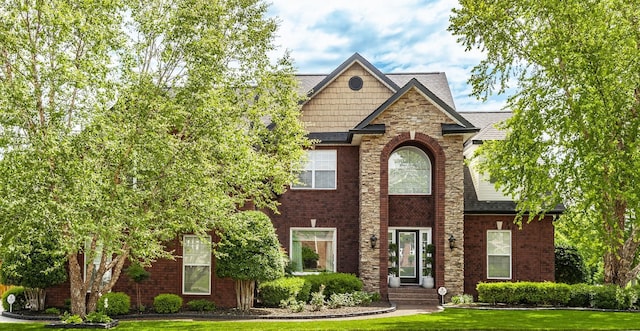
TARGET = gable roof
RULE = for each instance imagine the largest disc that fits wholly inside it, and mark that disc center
(487, 121)
(355, 58)
(462, 124)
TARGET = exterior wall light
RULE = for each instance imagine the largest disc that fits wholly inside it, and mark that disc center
(373, 240)
(452, 242)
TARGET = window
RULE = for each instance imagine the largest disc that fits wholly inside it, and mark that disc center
(313, 249)
(96, 264)
(409, 171)
(499, 254)
(196, 265)
(319, 171)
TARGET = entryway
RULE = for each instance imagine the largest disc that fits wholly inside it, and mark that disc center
(410, 245)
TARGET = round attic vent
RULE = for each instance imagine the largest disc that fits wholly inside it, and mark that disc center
(355, 83)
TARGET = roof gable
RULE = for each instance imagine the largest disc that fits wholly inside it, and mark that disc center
(460, 121)
(355, 58)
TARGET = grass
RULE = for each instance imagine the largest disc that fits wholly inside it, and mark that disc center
(450, 319)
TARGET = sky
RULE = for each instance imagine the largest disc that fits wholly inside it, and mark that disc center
(396, 36)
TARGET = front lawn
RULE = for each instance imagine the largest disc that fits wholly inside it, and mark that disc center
(450, 319)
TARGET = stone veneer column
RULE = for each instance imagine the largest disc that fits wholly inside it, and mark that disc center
(454, 216)
(370, 271)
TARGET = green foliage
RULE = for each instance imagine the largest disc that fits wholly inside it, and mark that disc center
(67, 318)
(295, 306)
(129, 133)
(97, 317)
(309, 258)
(393, 260)
(21, 301)
(32, 264)
(461, 299)
(581, 295)
(528, 293)
(167, 303)
(114, 303)
(52, 311)
(249, 248)
(317, 300)
(570, 267)
(334, 283)
(272, 293)
(572, 70)
(137, 273)
(201, 305)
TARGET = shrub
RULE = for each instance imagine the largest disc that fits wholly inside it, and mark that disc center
(334, 283)
(295, 306)
(274, 292)
(201, 305)
(461, 299)
(97, 317)
(67, 318)
(362, 298)
(524, 293)
(21, 301)
(117, 303)
(604, 297)
(570, 267)
(52, 311)
(580, 295)
(167, 303)
(317, 300)
(338, 300)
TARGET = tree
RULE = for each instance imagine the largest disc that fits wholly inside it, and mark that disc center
(124, 123)
(574, 136)
(35, 266)
(570, 267)
(249, 251)
(138, 275)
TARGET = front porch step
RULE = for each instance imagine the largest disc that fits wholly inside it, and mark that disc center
(414, 296)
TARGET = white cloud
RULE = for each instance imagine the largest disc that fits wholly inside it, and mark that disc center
(396, 36)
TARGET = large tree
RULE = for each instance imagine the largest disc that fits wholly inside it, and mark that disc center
(124, 123)
(574, 70)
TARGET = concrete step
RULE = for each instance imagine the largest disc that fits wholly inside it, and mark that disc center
(414, 295)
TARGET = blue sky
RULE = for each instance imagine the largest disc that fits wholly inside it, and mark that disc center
(394, 35)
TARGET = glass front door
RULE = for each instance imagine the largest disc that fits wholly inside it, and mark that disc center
(408, 255)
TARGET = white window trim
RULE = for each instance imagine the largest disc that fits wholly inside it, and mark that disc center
(510, 255)
(184, 265)
(429, 187)
(334, 246)
(313, 171)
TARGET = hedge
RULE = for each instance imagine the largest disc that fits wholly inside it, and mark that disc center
(335, 283)
(558, 294)
(272, 292)
(167, 303)
(21, 301)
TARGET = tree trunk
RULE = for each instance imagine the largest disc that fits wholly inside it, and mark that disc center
(35, 298)
(77, 287)
(619, 259)
(244, 293)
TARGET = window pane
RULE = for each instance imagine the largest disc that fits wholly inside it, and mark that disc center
(196, 279)
(312, 250)
(196, 259)
(499, 243)
(499, 267)
(409, 172)
(325, 179)
(305, 179)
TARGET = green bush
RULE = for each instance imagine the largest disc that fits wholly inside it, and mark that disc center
(272, 293)
(569, 266)
(52, 311)
(604, 297)
(529, 293)
(97, 317)
(118, 303)
(201, 305)
(167, 303)
(21, 301)
(335, 283)
(580, 295)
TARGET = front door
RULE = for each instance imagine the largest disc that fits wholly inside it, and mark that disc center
(408, 255)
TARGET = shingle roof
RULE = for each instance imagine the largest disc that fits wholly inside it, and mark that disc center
(487, 121)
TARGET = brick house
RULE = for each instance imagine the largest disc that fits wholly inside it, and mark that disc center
(388, 166)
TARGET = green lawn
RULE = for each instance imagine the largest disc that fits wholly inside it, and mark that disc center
(450, 319)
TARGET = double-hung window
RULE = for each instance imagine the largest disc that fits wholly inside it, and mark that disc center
(97, 257)
(319, 171)
(196, 265)
(499, 254)
(313, 249)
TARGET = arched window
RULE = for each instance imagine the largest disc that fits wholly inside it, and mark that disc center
(409, 171)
